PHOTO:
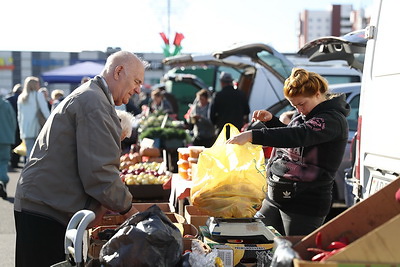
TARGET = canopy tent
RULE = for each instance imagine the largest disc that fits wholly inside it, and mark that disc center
(73, 73)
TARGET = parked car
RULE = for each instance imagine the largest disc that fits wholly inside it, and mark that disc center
(262, 85)
(258, 69)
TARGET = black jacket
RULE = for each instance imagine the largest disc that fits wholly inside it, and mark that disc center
(230, 105)
(307, 154)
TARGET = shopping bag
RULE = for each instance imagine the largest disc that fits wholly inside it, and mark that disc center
(20, 149)
(230, 179)
(148, 238)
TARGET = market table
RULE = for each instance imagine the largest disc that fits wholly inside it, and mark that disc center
(180, 190)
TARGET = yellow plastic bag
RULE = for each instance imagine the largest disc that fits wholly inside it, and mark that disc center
(230, 179)
(20, 149)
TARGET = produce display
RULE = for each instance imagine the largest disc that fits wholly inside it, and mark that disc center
(161, 126)
(334, 247)
(143, 173)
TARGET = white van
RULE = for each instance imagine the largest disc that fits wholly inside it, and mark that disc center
(378, 143)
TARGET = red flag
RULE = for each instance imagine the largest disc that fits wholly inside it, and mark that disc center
(178, 39)
(165, 39)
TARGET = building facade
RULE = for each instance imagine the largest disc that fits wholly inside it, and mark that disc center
(15, 66)
(337, 21)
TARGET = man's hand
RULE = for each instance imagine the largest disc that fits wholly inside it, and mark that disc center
(99, 214)
(130, 213)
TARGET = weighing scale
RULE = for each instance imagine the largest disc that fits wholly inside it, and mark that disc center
(240, 229)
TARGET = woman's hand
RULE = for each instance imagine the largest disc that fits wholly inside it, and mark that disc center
(241, 138)
(261, 115)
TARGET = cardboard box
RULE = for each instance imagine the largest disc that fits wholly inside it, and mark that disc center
(175, 217)
(372, 227)
(302, 263)
(240, 254)
(149, 191)
(112, 219)
(164, 206)
(195, 216)
(95, 243)
(189, 233)
(378, 246)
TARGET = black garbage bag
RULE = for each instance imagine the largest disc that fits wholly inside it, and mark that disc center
(148, 238)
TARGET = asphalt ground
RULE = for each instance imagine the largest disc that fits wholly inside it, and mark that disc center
(7, 228)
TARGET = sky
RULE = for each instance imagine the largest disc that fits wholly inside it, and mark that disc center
(135, 25)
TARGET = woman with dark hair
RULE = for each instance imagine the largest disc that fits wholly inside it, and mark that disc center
(199, 117)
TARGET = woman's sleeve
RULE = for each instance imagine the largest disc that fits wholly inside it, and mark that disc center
(44, 108)
(321, 129)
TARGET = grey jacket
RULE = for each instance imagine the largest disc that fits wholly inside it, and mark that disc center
(75, 159)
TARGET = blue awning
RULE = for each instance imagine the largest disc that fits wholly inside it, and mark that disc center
(73, 73)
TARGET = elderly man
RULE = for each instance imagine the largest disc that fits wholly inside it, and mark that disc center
(74, 163)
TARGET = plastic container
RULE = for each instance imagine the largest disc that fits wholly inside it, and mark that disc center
(183, 164)
(183, 173)
(194, 151)
(192, 161)
(183, 153)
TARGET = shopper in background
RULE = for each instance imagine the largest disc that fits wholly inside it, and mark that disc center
(307, 153)
(75, 163)
(85, 79)
(230, 105)
(30, 102)
(13, 98)
(57, 96)
(199, 117)
(47, 96)
(8, 124)
(159, 103)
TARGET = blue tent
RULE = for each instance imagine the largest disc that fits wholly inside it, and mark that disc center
(73, 73)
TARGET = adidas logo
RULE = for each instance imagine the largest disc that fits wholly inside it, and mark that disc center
(286, 194)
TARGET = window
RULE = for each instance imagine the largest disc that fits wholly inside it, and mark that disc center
(277, 64)
(352, 119)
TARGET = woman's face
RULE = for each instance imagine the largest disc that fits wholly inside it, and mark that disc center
(304, 104)
(157, 99)
(203, 100)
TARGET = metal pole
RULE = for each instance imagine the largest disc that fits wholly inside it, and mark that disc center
(169, 19)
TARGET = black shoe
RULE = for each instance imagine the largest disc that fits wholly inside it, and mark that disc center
(3, 193)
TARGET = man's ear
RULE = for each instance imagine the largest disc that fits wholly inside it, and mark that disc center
(117, 71)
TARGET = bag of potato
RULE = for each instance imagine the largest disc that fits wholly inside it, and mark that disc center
(230, 179)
